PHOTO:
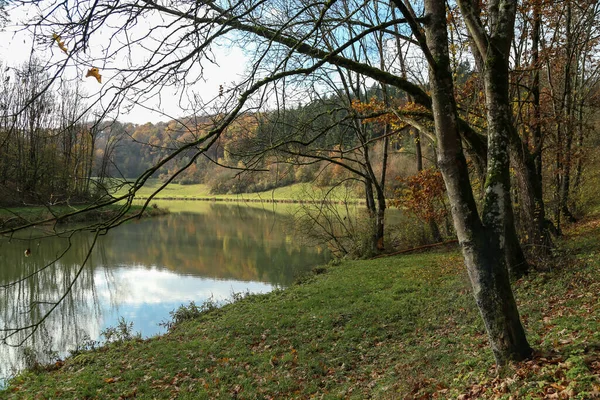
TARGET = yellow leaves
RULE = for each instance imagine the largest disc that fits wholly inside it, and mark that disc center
(387, 114)
(61, 43)
(95, 72)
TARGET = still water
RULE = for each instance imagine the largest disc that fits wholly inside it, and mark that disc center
(141, 271)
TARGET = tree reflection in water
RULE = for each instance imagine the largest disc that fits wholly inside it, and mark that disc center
(141, 271)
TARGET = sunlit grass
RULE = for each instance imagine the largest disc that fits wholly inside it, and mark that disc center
(298, 191)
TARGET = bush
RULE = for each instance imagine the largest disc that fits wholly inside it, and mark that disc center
(189, 312)
(305, 173)
(121, 333)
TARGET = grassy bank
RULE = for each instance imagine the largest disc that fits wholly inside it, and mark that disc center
(17, 216)
(395, 327)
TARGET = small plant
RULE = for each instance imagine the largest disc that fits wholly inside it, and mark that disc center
(121, 333)
(190, 311)
(36, 361)
(35, 358)
(30, 358)
(86, 344)
(237, 296)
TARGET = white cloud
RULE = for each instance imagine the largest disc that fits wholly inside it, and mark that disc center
(17, 47)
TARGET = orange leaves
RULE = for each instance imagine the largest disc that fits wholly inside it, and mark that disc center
(95, 72)
(60, 42)
(384, 114)
(423, 195)
(381, 113)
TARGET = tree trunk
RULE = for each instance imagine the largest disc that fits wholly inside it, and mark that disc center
(372, 211)
(435, 231)
(567, 104)
(89, 172)
(418, 150)
(493, 50)
(533, 214)
(380, 187)
(535, 90)
(528, 165)
(515, 257)
(482, 242)
(433, 226)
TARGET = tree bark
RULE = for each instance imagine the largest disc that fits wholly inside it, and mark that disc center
(533, 214)
(493, 50)
(482, 240)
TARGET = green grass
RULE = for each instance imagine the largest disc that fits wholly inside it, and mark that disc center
(298, 191)
(396, 327)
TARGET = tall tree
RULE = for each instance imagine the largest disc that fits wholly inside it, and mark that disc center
(287, 45)
(482, 239)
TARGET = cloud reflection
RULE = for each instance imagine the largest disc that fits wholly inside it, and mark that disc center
(146, 296)
(142, 271)
(143, 285)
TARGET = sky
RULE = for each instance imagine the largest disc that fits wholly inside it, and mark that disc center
(16, 48)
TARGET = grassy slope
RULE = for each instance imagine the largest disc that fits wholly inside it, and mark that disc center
(397, 327)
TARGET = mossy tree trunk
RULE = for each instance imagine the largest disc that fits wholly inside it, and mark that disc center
(483, 240)
(492, 50)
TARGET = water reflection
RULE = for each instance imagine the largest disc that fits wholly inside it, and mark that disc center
(141, 271)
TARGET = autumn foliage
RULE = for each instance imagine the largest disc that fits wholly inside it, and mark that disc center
(376, 111)
(423, 195)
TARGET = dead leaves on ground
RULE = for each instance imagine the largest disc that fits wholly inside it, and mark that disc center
(545, 376)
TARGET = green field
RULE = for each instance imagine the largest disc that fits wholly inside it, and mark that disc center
(298, 191)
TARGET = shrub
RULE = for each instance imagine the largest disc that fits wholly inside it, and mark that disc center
(121, 333)
(189, 312)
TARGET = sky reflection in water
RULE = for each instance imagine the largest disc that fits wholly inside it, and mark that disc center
(143, 270)
(145, 297)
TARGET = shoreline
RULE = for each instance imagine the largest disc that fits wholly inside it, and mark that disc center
(253, 200)
(19, 216)
(404, 326)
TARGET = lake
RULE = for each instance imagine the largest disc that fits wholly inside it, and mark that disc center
(141, 271)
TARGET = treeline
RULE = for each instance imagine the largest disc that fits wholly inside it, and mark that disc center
(253, 154)
(46, 140)
(53, 151)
